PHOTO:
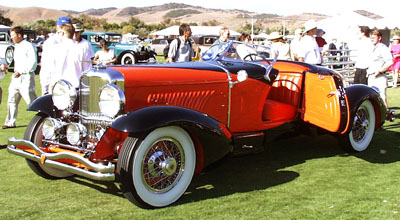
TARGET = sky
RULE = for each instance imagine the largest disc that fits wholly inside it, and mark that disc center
(285, 7)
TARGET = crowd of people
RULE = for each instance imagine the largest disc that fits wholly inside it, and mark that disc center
(65, 55)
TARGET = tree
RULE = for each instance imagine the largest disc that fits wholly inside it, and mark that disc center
(5, 21)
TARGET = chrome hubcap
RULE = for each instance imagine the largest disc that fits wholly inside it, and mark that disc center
(163, 165)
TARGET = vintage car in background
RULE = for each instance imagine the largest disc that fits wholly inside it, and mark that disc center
(152, 127)
(126, 53)
(205, 41)
(7, 45)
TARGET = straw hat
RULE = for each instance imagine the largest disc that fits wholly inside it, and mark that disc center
(274, 35)
(309, 25)
(396, 37)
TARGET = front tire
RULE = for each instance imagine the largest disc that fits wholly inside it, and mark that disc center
(34, 133)
(128, 58)
(362, 130)
(157, 170)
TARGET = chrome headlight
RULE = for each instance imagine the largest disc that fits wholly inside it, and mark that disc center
(50, 125)
(112, 100)
(76, 133)
(64, 94)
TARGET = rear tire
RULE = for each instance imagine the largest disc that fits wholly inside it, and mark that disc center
(359, 136)
(156, 171)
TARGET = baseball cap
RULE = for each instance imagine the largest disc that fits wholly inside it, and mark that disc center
(63, 20)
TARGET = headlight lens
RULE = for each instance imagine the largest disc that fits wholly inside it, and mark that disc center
(75, 133)
(112, 100)
(64, 95)
(49, 128)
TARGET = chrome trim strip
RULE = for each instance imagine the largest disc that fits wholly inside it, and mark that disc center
(97, 172)
(229, 88)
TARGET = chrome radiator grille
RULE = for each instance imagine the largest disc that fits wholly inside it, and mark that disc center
(89, 91)
(89, 95)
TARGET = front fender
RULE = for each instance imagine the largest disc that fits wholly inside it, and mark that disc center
(149, 118)
(358, 93)
(43, 104)
(212, 139)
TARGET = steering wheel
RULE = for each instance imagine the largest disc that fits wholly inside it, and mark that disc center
(250, 56)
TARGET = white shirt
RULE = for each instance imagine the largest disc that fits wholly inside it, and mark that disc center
(86, 53)
(25, 58)
(105, 57)
(309, 50)
(181, 54)
(380, 55)
(68, 65)
(363, 52)
(47, 62)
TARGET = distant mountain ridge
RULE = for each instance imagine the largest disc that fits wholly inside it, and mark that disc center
(232, 18)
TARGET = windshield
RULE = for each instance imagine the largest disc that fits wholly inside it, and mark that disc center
(238, 50)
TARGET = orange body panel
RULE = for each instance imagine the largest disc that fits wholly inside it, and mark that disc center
(321, 102)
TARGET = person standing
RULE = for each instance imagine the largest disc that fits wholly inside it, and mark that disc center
(23, 80)
(395, 50)
(224, 35)
(3, 70)
(181, 49)
(295, 44)
(363, 52)
(381, 60)
(49, 54)
(85, 49)
(68, 63)
(279, 45)
(309, 50)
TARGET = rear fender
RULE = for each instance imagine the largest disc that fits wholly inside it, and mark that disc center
(356, 94)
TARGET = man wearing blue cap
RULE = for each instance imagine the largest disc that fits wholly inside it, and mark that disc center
(48, 56)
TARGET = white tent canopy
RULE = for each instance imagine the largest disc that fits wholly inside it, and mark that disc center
(388, 23)
(196, 31)
(344, 26)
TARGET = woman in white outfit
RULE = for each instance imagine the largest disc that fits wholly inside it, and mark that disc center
(104, 56)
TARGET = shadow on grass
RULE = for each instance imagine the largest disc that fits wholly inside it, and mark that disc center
(264, 170)
(102, 186)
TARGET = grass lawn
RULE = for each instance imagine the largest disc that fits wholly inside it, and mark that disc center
(296, 178)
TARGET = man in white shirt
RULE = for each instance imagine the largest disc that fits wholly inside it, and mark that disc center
(23, 80)
(309, 50)
(49, 54)
(68, 63)
(381, 60)
(85, 49)
(363, 52)
(181, 49)
(295, 44)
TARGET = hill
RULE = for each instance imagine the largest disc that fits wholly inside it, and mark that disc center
(233, 19)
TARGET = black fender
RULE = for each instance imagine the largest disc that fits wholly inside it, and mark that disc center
(43, 104)
(214, 139)
(358, 93)
(149, 118)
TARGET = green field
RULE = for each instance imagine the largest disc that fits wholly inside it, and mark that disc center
(295, 178)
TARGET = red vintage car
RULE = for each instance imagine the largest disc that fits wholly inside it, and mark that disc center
(152, 127)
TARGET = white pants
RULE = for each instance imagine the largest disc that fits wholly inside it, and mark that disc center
(23, 86)
(379, 82)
